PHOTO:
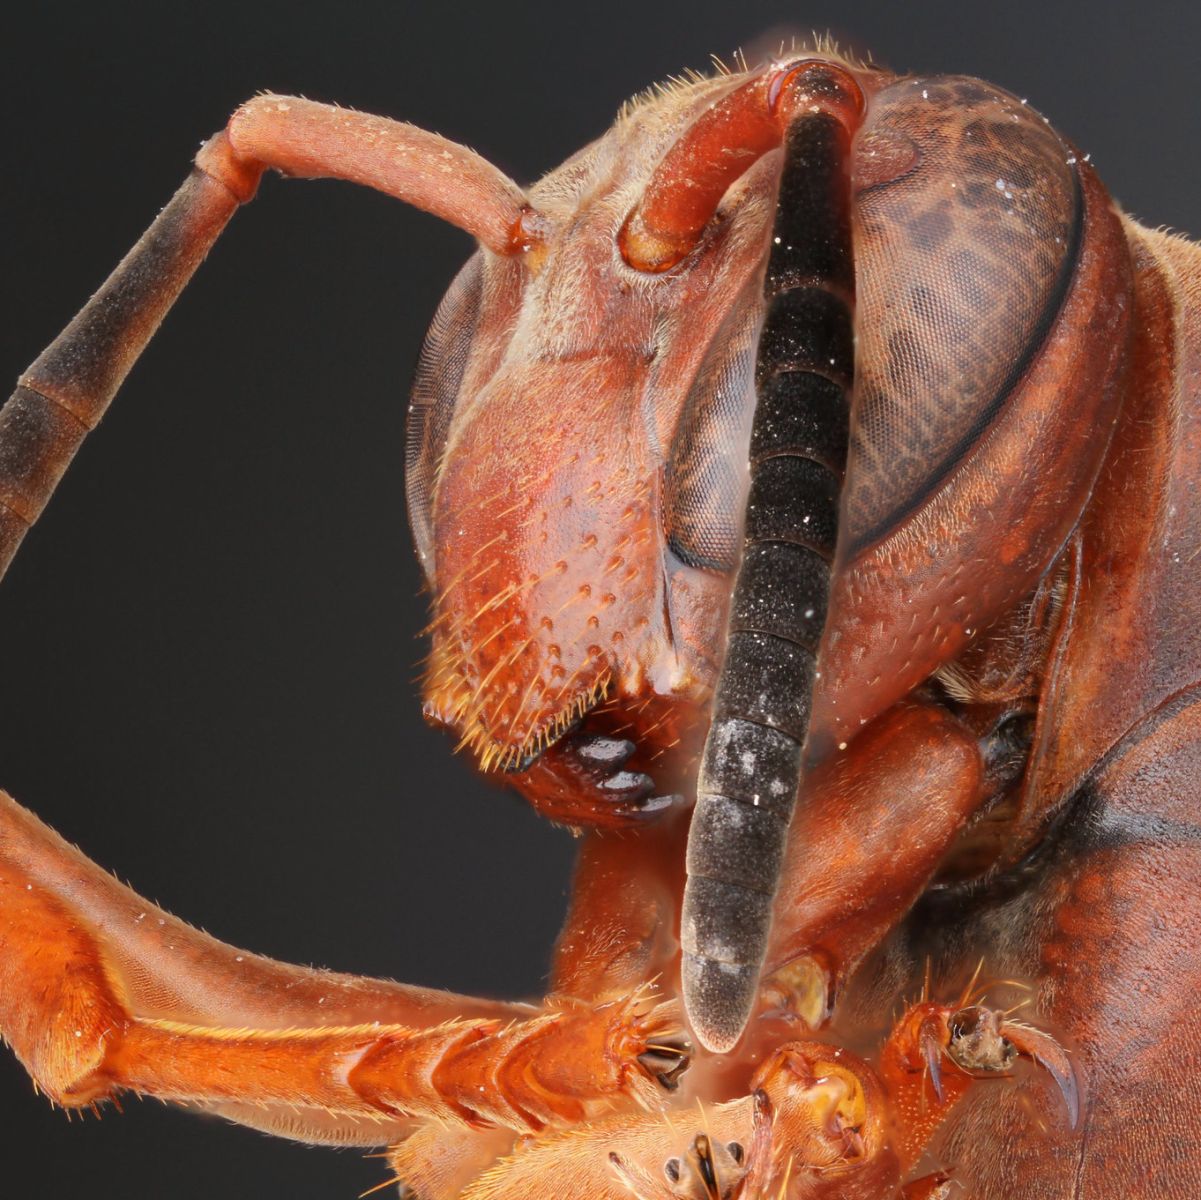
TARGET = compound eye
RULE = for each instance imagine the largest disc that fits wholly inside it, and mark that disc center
(704, 485)
(435, 394)
(672, 1169)
(736, 1152)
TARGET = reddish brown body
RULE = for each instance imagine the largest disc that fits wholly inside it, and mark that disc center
(1001, 741)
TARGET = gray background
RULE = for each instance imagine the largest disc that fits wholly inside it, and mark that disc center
(208, 645)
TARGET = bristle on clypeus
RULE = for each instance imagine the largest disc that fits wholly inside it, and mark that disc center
(492, 755)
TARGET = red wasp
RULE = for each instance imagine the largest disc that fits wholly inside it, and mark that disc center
(803, 476)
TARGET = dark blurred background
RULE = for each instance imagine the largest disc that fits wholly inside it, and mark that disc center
(209, 644)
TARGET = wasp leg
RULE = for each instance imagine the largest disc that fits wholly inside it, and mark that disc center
(618, 933)
(102, 992)
(815, 1125)
(437, 1162)
(619, 1157)
(937, 1052)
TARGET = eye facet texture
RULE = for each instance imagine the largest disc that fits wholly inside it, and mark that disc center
(436, 385)
(962, 263)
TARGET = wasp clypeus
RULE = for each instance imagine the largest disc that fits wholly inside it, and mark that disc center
(803, 475)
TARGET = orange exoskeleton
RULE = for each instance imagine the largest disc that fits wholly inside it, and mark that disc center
(800, 473)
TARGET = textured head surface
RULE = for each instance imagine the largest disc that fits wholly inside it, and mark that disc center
(578, 453)
(547, 413)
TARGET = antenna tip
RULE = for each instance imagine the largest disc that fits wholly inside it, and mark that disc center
(718, 998)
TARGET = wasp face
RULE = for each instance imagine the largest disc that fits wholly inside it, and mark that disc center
(575, 473)
(762, 386)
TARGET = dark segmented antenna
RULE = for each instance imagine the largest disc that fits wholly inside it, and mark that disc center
(752, 761)
(66, 391)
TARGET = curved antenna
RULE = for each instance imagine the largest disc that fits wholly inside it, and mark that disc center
(307, 140)
(721, 146)
(751, 769)
(68, 388)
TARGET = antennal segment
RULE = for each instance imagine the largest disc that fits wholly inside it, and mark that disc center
(721, 146)
(308, 140)
(751, 768)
